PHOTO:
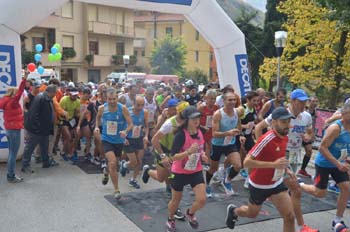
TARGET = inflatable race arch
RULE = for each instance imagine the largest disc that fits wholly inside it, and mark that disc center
(206, 16)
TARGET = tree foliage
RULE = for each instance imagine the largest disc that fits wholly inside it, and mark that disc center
(168, 57)
(311, 56)
(196, 75)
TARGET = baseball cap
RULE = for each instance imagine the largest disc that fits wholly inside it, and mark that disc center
(74, 92)
(281, 113)
(36, 84)
(181, 106)
(172, 102)
(299, 94)
(191, 112)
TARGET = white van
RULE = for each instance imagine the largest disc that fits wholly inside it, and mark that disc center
(46, 76)
(121, 77)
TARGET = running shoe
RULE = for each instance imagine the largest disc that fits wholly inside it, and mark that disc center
(96, 161)
(105, 176)
(231, 217)
(336, 225)
(117, 195)
(170, 225)
(192, 220)
(88, 156)
(332, 187)
(243, 173)
(145, 175)
(348, 204)
(303, 173)
(208, 191)
(227, 187)
(123, 168)
(38, 160)
(74, 158)
(15, 179)
(64, 157)
(103, 164)
(134, 184)
(341, 227)
(307, 228)
(179, 215)
(27, 169)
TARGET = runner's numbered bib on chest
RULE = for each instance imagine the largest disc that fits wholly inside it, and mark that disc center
(227, 140)
(136, 131)
(209, 121)
(192, 162)
(278, 174)
(112, 128)
(150, 116)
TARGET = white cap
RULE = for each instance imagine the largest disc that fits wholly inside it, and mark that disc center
(71, 84)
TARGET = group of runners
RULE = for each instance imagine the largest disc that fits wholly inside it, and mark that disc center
(190, 134)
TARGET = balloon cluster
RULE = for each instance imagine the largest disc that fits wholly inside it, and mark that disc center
(55, 55)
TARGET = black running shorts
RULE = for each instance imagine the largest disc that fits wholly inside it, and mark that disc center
(178, 181)
(116, 148)
(322, 174)
(258, 196)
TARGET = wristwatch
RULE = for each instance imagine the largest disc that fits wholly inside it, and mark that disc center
(162, 156)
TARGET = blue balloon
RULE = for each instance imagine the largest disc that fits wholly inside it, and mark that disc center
(38, 47)
(54, 50)
(37, 57)
(41, 70)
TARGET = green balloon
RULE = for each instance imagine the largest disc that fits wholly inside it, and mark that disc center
(51, 57)
(58, 46)
(58, 56)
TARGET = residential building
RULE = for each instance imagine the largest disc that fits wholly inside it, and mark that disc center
(151, 27)
(99, 35)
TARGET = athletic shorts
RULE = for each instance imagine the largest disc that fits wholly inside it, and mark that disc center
(322, 174)
(134, 145)
(307, 143)
(249, 142)
(179, 181)
(258, 196)
(217, 151)
(116, 148)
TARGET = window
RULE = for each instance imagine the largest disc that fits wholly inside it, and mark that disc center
(68, 41)
(93, 47)
(197, 56)
(143, 53)
(135, 53)
(38, 40)
(67, 10)
(169, 31)
(197, 35)
(120, 48)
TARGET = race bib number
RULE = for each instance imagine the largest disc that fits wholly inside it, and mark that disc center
(278, 174)
(294, 142)
(343, 154)
(228, 140)
(192, 162)
(72, 122)
(112, 128)
(136, 131)
(151, 116)
(294, 156)
(209, 121)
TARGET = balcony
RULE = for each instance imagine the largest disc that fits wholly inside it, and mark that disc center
(139, 43)
(110, 29)
(101, 61)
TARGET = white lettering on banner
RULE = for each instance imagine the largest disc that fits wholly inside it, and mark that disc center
(5, 69)
(245, 74)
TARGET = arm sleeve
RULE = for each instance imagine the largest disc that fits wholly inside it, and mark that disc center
(166, 128)
(179, 141)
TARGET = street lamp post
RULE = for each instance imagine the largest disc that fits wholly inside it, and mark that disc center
(126, 60)
(280, 43)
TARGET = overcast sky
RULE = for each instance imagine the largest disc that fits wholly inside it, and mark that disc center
(259, 4)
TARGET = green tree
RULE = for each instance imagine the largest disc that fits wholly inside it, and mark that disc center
(168, 57)
(196, 75)
(27, 57)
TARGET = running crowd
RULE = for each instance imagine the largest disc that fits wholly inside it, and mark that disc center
(260, 137)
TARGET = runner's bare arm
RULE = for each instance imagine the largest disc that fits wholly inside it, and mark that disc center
(98, 117)
(264, 110)
(331, 134)
(155, 142)
(146, 124)
(259, 129)
(128, 119)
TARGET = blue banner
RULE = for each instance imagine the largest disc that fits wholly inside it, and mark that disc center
(7, 79)
(242, 65)
(178, 2)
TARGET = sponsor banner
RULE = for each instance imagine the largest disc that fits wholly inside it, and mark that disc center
(179, 2)
(7, 79)
(243, 73)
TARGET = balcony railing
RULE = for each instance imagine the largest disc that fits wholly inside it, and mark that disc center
(110, 29)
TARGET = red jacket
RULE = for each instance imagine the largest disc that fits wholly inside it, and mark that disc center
(13, 114)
